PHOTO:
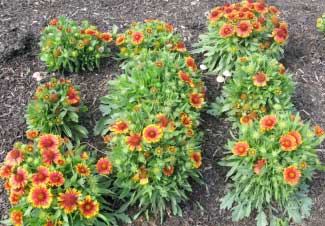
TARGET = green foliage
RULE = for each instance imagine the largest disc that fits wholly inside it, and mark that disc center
(270, 165)
(67, 47)
(249, 94)
(152, 103)
(240, 30)
(321, 24)
(55, 109)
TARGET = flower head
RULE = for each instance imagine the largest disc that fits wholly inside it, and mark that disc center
(281, 34)
(6, 170)
(319, 131)
(190, 63)
(260, 7)
(227, 30)
(50, 156)
(185, 77)
(41, 177)
(291, 175)
(14, 198)
(297, 136)
(246, 120)
(240, 148)
(120, 127)
(32, 134)
(14, 157)
(196, 158)
(56, 178)
(180, 47)
(196, 100)
(19, 179)
(260, 79)
(215, 15)
(73, 97)
(268, 122)
(259, 166)
(68, 200)
(186, 121)
(120, 40)
(137, 38)
(82, 170)
(163, 120)
(134, 141)
(107, 37)
(152, 133)
(40, 197)
(88, 207)
(49, 142)
(244, 29)
(288, 143)
(104, 166)
(168, 171)
(16, 217)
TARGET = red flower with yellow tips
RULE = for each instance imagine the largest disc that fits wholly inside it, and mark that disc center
(186, 121)
(152, 133)
(137, 38)
(190, 63)
(19, 179)
(297, 136)
(120, 127)
(73, 97)
(49, 142)
(134, 141)
(196, 100)
(120, 40)
(281, 34)
(16, 217)
(227, 30)
(241, 148)
(82, 170)
(260, 79)
(180, 47)
(50, 156)
(196, 158)
(14, 198)
(215, 14)
(41, 177)
(88, 207)
(107, 37)
(163, 120)
(185, 77)
(244, 29)
(14, 157)
(32, 134)
(6, 170)
(56, 178)
(104, 166)
(291, 175)
(288, 143)
(168, 171)
(268, 122)
(40, 197)
(68, 200)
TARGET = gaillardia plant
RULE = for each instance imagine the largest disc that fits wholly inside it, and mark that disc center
(55, 109)
(52, 183)
(321, 24)
(238, 30)
(271, 163)
(150, 124)
(67, 47)
(152, 34)
(259, 85)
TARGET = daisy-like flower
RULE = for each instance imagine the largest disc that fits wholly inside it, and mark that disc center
(49, 142)
(260, 7)
(50, 156)
(107, 37)
(319, 131)
(291, 175)
(84, 156)
(288, 143)
(274, 10)
(32, 134)
(73, 97)
(186, 121)
(168, 171)
(196, 100)
(190, 63)
(16, 217)
(185, 77)
(82, 170)
(14, 198)
(281, 34)
(54, 21)
(6, 170)
(190, 132)
(215, 14)
(120, 40)
(137, 38)
(297, 137)
(259, 166)
(227, 30)
(168, 27)
(180, 47)
(19, 179)
(152, 133)
(120, 127)
(56, 178)
(196, 159)
(240, 148)
(268, 122)
(282, 69)
(41, 177)
(40, 197)
(303, 165)
(246, 120)
(88, 207)
(68, 200)
(104, 166)
(260, 79)
(244, 29)
(163, 120)
(14, 157)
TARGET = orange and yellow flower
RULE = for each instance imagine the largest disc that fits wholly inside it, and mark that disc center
(288, 143)
(259, 166)
(19, 179)
(185, 77)
(168, 171)
(32, 134)
(49, 142)
(82, 170)
(186, 121)
(14, 198)
(73, 97)
(196, 159)
(268, 122)
(134, 141)
(190, 63)
(319, 131)
(281, 34)
(246, 120)
(163, 120)
(107, 37)
(196, 100)
(227, 30)
(6, 170)
(291, 175)
(215, 15)
(180, 47)
(240, 148)
(260, 7)
(244, 29)
(50, 156)
(40, 197)
(152, 133)
(88, 207)
(120, 127)
(41, 177)
(14, 157)
(297, 137)
(260, 79)
(56, 178)
(120, 40)
(68, 200)
(104, 166)
(16, 217)
(137, 38)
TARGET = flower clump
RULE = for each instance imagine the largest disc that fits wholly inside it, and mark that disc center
(259, 85)
(241, 29)
(271, 163)
(55, 109)
(153, 35)
(67, 47)
(55, 185)
(150, 124)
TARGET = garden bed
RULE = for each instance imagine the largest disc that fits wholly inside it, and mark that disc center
(20, 26)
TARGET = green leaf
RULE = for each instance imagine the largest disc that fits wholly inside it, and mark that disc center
(261, 219)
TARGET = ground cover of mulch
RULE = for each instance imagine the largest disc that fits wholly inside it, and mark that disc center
(21, 21)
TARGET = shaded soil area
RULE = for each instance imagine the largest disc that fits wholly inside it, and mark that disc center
(21, 21)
